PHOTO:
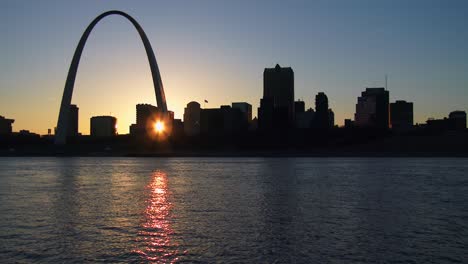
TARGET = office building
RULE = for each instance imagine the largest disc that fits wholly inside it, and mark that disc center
(278, 98)
(103, 126)
(401, 115)
(245, 108)
(178, 128)
(6, 125)
(322, 113)
(457, 120)
(331, 118)
(372, 109)
(299, 107)
(73, 121)
(223, 120)
(304, 119)
(150, 120)
(192, 119)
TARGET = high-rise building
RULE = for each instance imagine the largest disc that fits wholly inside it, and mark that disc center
(322, 113)
(401, 115)
(6, 125)
(73, 121)
(372, 108)
(457, 120)
(103, 126)
(278, 98)
(245, 108)
(192, 119)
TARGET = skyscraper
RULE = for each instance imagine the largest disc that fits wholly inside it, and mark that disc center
(401, 115)
(278, 98)
(372, 108)
(192, 119)
(73, 121)
(322, 116)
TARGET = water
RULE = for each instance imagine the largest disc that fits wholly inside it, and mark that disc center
(251, 210)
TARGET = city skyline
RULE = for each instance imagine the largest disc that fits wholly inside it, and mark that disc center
(33, 102)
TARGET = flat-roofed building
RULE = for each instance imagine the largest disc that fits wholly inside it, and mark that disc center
(103, 126)
(6, 125)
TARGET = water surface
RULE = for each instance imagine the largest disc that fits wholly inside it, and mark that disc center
(255, 210)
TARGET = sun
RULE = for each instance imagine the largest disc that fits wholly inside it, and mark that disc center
(159, 127)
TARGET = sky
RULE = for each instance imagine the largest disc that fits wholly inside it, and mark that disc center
(217, 51)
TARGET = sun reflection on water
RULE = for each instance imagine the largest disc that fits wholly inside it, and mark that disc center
(155, 231)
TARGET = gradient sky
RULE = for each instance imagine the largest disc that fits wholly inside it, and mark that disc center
(217, 50)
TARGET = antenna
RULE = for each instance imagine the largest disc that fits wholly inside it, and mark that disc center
(386, 82)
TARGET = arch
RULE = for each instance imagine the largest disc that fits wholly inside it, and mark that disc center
(63, 119)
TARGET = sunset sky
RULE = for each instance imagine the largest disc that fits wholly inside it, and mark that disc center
(217, 50)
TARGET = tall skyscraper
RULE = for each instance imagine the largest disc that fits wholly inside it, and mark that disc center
(322, 113)
(73, 121)
(401, 115)
(103, 126)
(278, 98)
(192, 119)
(372, 108)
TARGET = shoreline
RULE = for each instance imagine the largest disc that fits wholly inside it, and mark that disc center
(243, 154)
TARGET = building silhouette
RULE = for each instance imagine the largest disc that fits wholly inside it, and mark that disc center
(299, 107)
(192, 119)
(331, 118)
(321, 119)
(304, 119)
(277, 105)
(348, 123)
(372, 109)
(223, 120)
(245, 108)
(401, 115)
(178, 128)
(6, 125)
(457, 120)
(103, 126)
(73, 121)
(146, 118)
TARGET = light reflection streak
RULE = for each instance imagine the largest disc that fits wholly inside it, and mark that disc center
(155, 232)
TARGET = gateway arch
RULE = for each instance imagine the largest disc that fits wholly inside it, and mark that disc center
(63, 119)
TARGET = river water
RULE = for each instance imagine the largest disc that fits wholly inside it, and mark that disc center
(248, 210)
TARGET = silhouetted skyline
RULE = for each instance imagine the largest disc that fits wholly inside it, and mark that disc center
(216, 51)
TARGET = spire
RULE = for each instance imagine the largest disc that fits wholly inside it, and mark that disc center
(277, 67)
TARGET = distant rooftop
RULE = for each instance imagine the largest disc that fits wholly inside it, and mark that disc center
(278, 68)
